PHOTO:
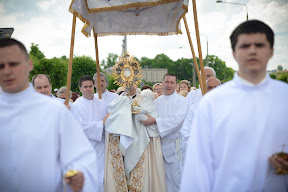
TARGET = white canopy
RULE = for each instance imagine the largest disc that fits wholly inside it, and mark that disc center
(130, 17)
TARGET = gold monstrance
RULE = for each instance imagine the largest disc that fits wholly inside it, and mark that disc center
(127, 72)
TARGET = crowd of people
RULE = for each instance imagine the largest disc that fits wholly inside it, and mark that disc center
(166, 137)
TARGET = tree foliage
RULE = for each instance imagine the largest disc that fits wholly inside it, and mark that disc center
(110, 60)
(81, 66)
(57, 68)
(280, 68)
(35, 52)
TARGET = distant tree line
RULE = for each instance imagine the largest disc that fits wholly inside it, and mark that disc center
(57, 68)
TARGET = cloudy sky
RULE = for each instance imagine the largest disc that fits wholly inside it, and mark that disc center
(49, 23)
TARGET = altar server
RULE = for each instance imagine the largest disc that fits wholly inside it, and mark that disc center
(90, 112)
(239, 125)
(39, 138)
(172, 109)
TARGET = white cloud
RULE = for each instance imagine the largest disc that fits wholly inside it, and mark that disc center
(45, 5)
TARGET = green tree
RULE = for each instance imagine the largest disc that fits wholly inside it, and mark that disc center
(273, 75)
(56, 68)
(35, 51)
(146, 62)
(111, 83)
(110, 60)
(222, 72)
(280, 68)
(163, 61)
(184, 69)
(81, 66)
(282, 76)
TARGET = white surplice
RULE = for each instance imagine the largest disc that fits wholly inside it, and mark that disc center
(90, 114)
(39, 141)
(107, 96)
(236, 129)
(172, 110)
(194, 96)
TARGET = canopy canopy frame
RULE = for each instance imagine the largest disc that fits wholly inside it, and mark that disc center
(201, 77)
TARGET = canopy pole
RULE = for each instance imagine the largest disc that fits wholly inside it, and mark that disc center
(199, 47)
(193, 53)
(70, 62)
(97, 65)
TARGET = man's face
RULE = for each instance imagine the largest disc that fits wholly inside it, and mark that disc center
(103, 84)
(208, 73)
(132, 91)
(42, 85)
(183, 86)
(87, 89)
(252, 52)
(158, 89)
(212, 83)
(169, 85)
(14, 69)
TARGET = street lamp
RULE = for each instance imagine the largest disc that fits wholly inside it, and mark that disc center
(235, 4)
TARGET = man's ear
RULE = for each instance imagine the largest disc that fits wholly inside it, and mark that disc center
(233, 53)
(30, 62)
(271, 53)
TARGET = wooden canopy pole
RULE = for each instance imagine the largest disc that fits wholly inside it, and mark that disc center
(70, 62)
(97, 65)
(199, 47)
(193, 53)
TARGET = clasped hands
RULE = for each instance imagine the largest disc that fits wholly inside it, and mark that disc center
(149, 121)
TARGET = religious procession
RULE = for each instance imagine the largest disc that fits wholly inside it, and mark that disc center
(169, 137)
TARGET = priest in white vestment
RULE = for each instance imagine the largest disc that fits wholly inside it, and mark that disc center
(242, 123)
(106, 95)
(134, 160)
(39, 138)
(90, 112)
(172, 109)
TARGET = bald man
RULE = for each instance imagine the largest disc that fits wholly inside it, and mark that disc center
(42, 84)
(195, 96)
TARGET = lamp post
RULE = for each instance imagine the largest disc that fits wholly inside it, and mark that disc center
(218, 1)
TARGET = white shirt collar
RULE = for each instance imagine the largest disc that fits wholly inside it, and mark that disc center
(248, 83)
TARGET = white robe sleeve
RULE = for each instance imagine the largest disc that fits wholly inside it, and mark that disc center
(198, 169)
(92, 129)
(174, 121)
(72, 139)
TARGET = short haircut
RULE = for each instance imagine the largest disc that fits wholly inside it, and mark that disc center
(7, 42)
(170, 74)
(249, 27)
(103, 75)
(85, 78)
(214, 73)
(40, 75)
(146, 87)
